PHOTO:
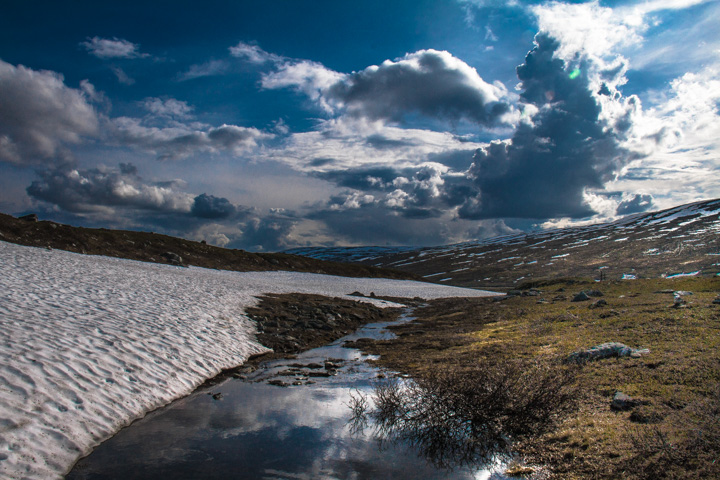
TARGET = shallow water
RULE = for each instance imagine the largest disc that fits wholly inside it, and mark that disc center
(254, 430)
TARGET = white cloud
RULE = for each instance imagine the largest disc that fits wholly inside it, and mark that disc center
(310, 78)
(180, 141)
(122, 76)
(254, 54)
(112, 48)
(585, 28)
(167, 107)
(347, 143)
(207, 69)
(40, 115)
(432, 83)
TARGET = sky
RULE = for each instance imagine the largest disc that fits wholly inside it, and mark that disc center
(279, 124)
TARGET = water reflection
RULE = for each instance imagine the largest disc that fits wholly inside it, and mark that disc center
(256, 430)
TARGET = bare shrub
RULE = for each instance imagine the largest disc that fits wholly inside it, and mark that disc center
(471, 416)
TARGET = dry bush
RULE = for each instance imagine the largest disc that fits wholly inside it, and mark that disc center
(471, 416)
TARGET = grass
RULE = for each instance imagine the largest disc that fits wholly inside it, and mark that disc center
(676, 384)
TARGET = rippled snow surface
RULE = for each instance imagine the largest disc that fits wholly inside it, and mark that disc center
(89, 343)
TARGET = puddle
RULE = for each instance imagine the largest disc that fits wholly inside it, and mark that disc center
(249, 429)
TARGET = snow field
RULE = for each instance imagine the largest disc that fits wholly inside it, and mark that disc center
(89, 343)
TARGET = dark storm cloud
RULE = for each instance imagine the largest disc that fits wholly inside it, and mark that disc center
(270, 233)
(638, 203)
(211, 207)
(377, 225)
(566, 148)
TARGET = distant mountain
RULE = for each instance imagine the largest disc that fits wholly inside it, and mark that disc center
(684, 240)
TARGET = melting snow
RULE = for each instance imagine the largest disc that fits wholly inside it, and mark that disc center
(89, 343)
(690, 274)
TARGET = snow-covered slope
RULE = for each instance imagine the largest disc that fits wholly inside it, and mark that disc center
(89, 343)
(680, 240)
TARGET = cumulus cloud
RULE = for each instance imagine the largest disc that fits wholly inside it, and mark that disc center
(40, 115)
(431, 83)
(269, 233)
(180, 140)
(101, 188)
(428, 82)
(575, 141)
(209, 206)
(105, 48)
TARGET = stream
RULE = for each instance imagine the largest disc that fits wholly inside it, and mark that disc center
(250, 429)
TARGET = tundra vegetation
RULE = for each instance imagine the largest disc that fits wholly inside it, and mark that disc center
(508, 365)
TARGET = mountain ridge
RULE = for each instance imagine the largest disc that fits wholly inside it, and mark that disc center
(683, 240)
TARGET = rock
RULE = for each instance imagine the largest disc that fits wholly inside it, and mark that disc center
(610, 313)
(580, 297)
(173, 258)
(331, 365)
(682, 292)
(594, 293)
(32, 217)
(678, 301)
(278, 383)
(622, 402)
(717, 300)
(217, 396)
(597, 304)
(606, 350)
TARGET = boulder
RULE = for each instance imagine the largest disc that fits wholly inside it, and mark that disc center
(597, 304)
(173, 258)
(717, 300)
(606, 350)
(622, 402)
(580, 297)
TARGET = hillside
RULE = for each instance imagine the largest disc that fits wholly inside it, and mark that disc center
(677, 241)
(157, 248)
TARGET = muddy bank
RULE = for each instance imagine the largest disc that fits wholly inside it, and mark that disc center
(293, 323)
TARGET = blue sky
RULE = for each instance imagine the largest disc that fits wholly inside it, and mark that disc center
(275, 124)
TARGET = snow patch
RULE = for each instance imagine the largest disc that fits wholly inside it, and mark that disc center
(90, 343)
